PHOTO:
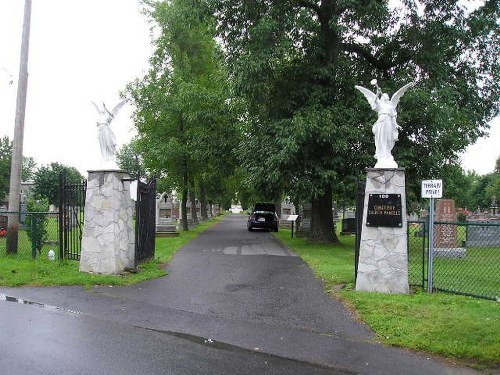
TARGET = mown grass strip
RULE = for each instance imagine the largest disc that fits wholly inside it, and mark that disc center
(458, 327)
(21, 270)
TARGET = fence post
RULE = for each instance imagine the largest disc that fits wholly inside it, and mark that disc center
(33, 235)
(430, 271)
(61, 214)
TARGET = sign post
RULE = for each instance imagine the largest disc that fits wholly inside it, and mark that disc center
(292, 218)
(431, 189)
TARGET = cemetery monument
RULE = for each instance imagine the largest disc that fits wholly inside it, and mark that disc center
(383, 260)
(108, 240)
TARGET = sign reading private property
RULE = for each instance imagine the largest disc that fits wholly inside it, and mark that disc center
(432, 188)
(384, 210)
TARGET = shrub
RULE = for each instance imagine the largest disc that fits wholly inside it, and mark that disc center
(36, 223)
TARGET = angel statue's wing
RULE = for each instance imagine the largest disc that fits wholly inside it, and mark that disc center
(118, 106)
(369, 95)
(96, 107)
(398, 94)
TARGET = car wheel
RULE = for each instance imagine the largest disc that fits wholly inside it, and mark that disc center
(249, 229)
(275, 229)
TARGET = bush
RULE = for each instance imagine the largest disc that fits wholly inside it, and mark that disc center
(36, 223)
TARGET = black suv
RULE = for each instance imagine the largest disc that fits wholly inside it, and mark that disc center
(263, 216)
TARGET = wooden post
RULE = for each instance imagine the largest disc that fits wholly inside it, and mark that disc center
(17, 146)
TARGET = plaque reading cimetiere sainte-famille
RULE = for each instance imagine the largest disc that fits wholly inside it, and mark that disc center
(384, 210)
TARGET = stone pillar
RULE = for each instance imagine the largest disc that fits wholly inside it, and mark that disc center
(108, 242)
(383, 260)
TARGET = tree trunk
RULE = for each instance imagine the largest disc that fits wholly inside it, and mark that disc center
(192, 198)
(184, 202)
(322, 228)
(203, 200)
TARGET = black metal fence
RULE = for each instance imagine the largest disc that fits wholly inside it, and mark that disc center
(145, 221)
(466, 257)
(71, 217)
(38, 233)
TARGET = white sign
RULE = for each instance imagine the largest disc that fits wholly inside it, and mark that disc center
(292, 217)
(432, 188)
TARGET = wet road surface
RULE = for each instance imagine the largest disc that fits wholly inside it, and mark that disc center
(229, 290)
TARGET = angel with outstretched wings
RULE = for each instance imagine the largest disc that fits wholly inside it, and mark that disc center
(385, 128)
(106, 136)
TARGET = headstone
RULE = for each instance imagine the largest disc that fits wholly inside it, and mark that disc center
(108, 234)
(383, 259)
(305, 218)
(445, 235)
(483, 235)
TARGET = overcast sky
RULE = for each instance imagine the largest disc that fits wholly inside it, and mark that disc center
(89, 50)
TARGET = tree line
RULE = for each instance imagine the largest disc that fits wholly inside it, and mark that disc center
(257, 98)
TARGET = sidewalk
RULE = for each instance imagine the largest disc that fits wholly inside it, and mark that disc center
(244, 289)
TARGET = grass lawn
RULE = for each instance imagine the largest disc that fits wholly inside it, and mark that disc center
(20, 269)
(458, 327)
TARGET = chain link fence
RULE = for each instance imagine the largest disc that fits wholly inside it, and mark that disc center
(38, 233)
(466, 257)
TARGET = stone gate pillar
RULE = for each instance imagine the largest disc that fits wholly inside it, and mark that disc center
(383, 260)
(108, 242)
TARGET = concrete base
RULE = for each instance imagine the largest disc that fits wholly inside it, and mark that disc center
(383, 260)
(108, 241)
(457, 252)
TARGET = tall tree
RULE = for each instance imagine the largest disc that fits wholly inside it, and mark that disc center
(184, 115)
(46, 181)
(129, 159)
(28, 166)
(296, 63)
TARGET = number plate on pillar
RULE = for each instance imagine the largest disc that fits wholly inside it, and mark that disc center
(384, 210)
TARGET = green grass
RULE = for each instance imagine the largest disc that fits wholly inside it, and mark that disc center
(458, 327)
(21, 270)
(475, 274)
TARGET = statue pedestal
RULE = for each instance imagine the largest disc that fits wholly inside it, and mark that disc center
(383, 260)
(108, 242)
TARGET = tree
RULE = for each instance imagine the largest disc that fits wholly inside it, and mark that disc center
(28, 169)
(5, 157)
(184, 116)
(129, 159)
(296, 62)
(36, 223)
(497, 165)
(46, 181)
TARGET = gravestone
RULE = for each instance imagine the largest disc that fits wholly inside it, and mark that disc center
(287, 209)
(483, 236)
(305, 218)
(445, 235)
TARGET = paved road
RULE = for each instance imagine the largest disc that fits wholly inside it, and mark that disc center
(237, 291)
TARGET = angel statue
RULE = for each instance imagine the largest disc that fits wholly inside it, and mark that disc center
(385, 128)
(106, 136)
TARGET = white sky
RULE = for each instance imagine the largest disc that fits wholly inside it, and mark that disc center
(89, 50)
(79, 51)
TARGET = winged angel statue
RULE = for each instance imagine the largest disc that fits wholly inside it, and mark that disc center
(106, 136)
(385, 128)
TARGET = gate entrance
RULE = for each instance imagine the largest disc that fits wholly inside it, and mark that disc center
(71, 217)
(145, 221)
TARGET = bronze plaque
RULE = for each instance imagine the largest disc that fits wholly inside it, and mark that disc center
(384, 210)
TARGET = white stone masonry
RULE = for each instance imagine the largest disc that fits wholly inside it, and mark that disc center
(383, 260)
(108, 233)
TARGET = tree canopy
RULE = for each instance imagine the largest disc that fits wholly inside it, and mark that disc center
(296, 63)
(28, 168)
(184, 113)
(46, 181)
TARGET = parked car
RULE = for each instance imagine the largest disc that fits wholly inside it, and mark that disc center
(263, 216)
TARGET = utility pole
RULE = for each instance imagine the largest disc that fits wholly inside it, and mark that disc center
(17, 145)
